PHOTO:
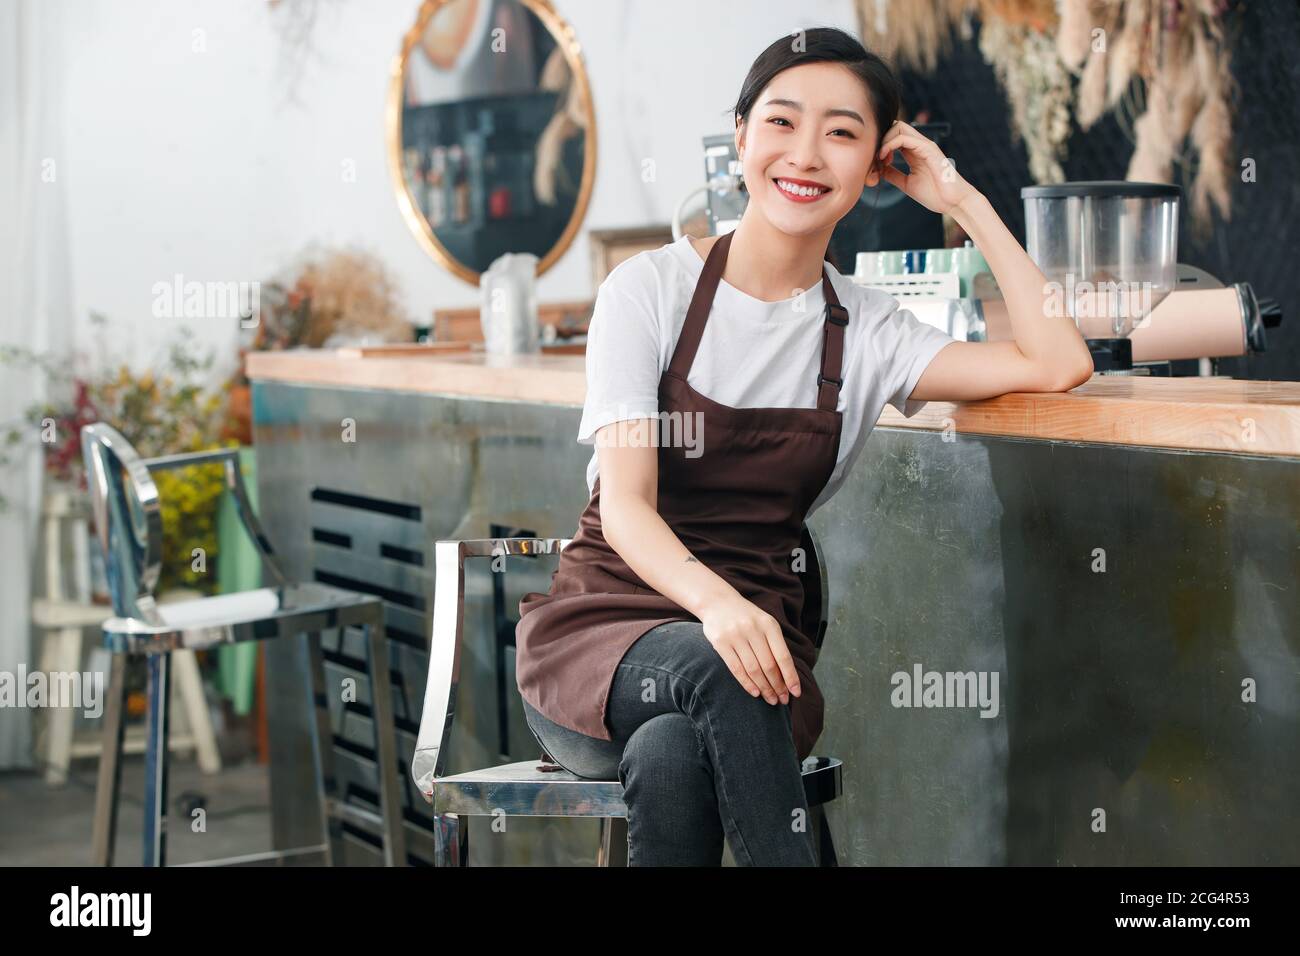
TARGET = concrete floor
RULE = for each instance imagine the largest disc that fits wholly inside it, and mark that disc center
(41, 826)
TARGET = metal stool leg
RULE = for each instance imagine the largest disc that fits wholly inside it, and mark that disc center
(821, 832)
(381, 696)
(104, 831)
(445, 840)
(155, 760)
(322, 738)
(451, 839)
(613, 842)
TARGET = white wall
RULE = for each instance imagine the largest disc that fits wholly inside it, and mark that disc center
(200, 163)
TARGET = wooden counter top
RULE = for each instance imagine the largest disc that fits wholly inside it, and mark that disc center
(1197, 414)
(548, 379)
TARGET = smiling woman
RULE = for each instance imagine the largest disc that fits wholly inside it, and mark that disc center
(684, 563)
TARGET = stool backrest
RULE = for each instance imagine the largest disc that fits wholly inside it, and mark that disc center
(128, 522)
(816, 589)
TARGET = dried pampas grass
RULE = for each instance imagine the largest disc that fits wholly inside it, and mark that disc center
(1037, 15)
(1212, 128)
(1092, 91)
(1189, 95)
(911, 33)
(1074, 35)
(1171, 106)
(1153, 155)
(1126, 50)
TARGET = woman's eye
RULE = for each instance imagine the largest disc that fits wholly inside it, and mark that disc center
(782, 119)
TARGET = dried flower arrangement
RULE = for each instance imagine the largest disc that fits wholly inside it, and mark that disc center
(328, 296)
(1038, 88)
(1178, 50)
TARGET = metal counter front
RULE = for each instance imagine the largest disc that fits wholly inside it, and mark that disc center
(1131, 615)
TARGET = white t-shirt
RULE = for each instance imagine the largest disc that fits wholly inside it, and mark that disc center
(753, 354)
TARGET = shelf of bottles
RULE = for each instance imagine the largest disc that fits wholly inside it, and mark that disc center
(469, 164)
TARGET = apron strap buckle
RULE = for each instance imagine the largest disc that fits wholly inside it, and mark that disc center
(821, 379)
(837, 315)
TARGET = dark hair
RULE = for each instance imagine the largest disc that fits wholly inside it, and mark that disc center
(819, 45)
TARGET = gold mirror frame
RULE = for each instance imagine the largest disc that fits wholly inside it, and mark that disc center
(567, 41)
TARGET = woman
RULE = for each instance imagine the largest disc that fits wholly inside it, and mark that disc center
(666, 651)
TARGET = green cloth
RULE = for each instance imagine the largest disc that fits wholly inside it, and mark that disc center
(238, 569)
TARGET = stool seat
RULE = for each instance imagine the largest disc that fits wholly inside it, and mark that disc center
(534, 788)
(257, 614)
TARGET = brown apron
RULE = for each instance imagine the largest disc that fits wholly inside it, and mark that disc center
(739, 507)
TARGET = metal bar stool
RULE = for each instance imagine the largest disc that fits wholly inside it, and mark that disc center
(128, 525)
(63, 614)
(541, 788)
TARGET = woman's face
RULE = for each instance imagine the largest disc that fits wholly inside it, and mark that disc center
(812, 124)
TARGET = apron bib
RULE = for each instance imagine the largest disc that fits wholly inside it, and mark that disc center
(739, 507)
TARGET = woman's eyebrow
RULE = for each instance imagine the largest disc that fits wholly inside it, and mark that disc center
(795, 105)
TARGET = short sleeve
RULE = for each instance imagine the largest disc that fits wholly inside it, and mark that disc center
(623, 357)
(906, 345)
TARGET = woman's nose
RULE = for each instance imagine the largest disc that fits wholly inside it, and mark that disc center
(806, 151)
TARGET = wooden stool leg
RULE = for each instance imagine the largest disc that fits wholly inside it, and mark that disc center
(62, 655)
(155, 760)
(190, 684)
(110, 766)
(381, 696)
(322, 738)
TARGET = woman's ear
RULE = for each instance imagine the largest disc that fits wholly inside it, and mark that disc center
(873, 174)
(740, 136)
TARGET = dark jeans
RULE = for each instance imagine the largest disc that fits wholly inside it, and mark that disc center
(697, 756)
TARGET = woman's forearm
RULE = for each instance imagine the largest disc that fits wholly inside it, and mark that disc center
(644, 540)
(1050, 340)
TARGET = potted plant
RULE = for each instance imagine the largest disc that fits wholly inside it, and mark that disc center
(162, 411)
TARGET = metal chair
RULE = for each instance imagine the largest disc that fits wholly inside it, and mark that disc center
(128, 525)
(63, 614)
(538, 787)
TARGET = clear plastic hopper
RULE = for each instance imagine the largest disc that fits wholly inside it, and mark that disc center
(1109, 250)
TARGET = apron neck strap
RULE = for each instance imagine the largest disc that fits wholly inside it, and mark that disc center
(688, 343)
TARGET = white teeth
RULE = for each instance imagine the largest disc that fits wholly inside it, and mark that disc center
(798, 190)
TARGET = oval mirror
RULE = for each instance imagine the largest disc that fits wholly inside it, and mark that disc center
(491, 132)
